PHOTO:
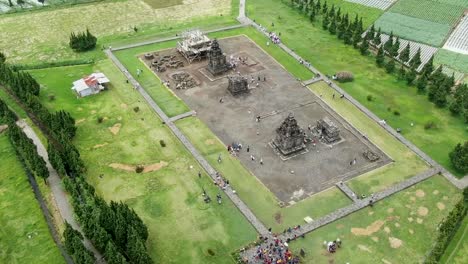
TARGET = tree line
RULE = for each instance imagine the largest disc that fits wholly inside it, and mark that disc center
(82, 41)
(23, 145)
(114, 228)
(439, 87)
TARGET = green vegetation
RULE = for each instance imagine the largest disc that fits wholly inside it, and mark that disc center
(430, 10)
(399, 229)
(459, 157)
(412, 28)
(171, 104)
(181, 227)
(454, 60)
(457, 250)
(156, 4)
(329, 55)
(82, 41)
(21, 216)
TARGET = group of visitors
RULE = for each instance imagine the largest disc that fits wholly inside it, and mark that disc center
(275, 252)
(274, 38)
(332, 246)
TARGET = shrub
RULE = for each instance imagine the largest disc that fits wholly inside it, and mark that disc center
(100, 119)
(344, 76)
(162, 143)
(51, 97)
(82, 41)
(430, 125)
(136, 109)
(396, 112)
(139, 168)
(370, 98)
(459, 157)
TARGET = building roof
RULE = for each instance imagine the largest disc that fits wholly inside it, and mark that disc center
(89, 81)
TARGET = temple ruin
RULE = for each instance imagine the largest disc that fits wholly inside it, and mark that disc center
(216, 59)
(290, 138)
(238, 85)
(194, 45)
(327, 130)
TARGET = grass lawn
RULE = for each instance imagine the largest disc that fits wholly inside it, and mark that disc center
(181, 226)
(259, 199)
(167, 100)
(399, 229)
(47, 30)
(406, 163)
(457, 251)
(21, 215)
(330, 55)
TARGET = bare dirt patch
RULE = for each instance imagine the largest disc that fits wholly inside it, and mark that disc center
(387, 230)
(100, 145)
(441, 206)
(397, 225)
(364, 248)
(278, 218)
(124, 106)
(419, 220)
(420, 193)
(154, 166)
(411, 231)
(93, 112)
(422, 211)
(80, 121)
(386, 261)
(115, 129)
(374, 227)
(210, 142)
(376, 239)
(121, 166)
(410, 219)
(3, 128)
(390, 210)
(436, 192)
(445, 198)
(412, 198)
(395, 242)
(371, 213)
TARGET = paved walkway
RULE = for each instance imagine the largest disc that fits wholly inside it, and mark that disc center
(182, 116)
(347, 191)
(261, 229)
(55, 184)
(312, 81)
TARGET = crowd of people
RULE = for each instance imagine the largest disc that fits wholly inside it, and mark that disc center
(275, 252)
(274, 38)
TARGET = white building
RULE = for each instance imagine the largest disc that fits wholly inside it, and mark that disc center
(92, 84)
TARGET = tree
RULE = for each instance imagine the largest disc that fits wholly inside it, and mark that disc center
(348, 36)
(371, 33)
(416, 60)
(20, 2)
(380, 59)
(378, 38)
(356, 39)
(437, 94)
(364, 47)
(402, 72)
(428, 68)
(390, 66)
(421, 83)
(405, 53)
(325, 8)
(459, 157)
(2, 58)
(112, 256)
(325, 22)
(395, 48)
(332, 27)
(312, 15)
(82, 41)
(318, 5)
(410, 76)
(389, 44)
(459, 104)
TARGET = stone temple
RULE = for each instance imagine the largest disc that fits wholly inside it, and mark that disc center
(216, 59)
(290, 137)
(328, 130)
(238, 85)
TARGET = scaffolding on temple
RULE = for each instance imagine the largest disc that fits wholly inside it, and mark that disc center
(194, 45)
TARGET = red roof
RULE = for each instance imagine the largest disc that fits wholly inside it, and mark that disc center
(90, 80)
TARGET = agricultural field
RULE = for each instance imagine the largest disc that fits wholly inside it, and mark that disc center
(43, 35)
(24, 236)
(458, 40)
(330, 55)
(182, 228)
(399, 229)
(452, 60)
(380, 4)
(425, 21)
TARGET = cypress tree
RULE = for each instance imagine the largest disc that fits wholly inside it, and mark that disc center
(377, 38)
(421, 83)
(410, 76)
(402, 73)
(371, 32)
(332, 27)
(318, 6)
(348, 36)
(395, 48)
(356, 39)
(2, 58)
(390, 66)
(380, 59)
(416, 60)
(389, 44)
(325, 8)
(325, 22)
(428, 68)
(312, 15)
(405, 53)
(364, 47)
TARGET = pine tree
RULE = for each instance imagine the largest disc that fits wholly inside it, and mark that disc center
(356, 39)
(459, 157)
(428, 68)
(325, 8)
(378, 38)
(364, 47)
(2, 58)
(390, 66)
(380, 59)
(410, 76)
(405, 53)
(325, 22)
(112, 256)
(416, 60)
(402, 73)
(389, 43)
(338, 15)
(421, 84)
(332, 27)
(395, 48)
(348, 36)
(318, 6)
(371, 33)
(312, 15)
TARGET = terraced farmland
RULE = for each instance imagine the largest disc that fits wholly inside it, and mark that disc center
(426, 21)
(380, 4)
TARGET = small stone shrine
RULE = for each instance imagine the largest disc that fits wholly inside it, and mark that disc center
(327, 130)
(290, 137)
(216, 59)
(238, 85)
(371, 156)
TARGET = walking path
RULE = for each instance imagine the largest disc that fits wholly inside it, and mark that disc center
(55, 184)
(245, 210)
(313, 80)
(347, 191)
(181, 116)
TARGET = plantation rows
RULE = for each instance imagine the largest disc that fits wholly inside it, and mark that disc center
(438, 12)
(458, 40)
(380, 4)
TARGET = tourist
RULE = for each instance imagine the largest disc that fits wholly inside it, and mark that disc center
(261, 161)
(248, 148)
(333, 96)
(219, 158)
(264, 78)
(199, 174)
(268, 43)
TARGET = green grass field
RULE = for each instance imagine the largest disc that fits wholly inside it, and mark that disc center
(330, 55)
(172, 105)
(399, 229)
(21, 216)
(42, 35)
(457, 251)
(182, 227)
